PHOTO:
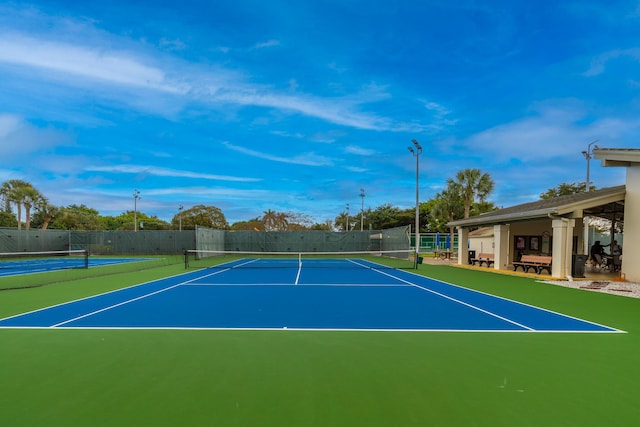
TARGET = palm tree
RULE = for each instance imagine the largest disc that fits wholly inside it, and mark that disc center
(275, 221)
(283, 221)
(6, 204)
(473, 183)
(48, 210)
(5, 189)
(269, 220)
(449, 203)
(31, 198)
(15, 191)
(341, 221)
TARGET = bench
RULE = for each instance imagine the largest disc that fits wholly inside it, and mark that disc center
(483, 258)
(537, 262)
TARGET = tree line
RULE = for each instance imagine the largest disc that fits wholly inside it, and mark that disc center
(466, 194)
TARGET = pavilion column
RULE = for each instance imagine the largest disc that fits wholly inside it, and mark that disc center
(562, 246)
(463, 245)
(501, 250)
(630, 245)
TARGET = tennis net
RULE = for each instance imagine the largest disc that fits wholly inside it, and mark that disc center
(34, 262)
(402, 259)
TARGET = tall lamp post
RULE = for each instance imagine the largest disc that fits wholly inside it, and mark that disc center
(588, 155)
(136, 196)
(180, 217)
(347, 224)
(362, 210)
(416, 153)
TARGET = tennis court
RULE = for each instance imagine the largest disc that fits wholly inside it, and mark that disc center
(16, 263)
(317, 294)
(147, 344)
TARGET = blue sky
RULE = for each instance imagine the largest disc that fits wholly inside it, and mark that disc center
(297, 105)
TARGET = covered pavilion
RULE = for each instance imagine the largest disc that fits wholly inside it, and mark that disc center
(545, 227)
(555, 226)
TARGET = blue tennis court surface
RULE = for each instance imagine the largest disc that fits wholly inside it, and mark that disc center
(41, 265)
(343, 295)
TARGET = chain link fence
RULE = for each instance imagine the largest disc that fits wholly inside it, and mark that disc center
(170, 242)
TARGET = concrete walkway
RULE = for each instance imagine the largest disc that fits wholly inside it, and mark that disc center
(590, 273)
(594, 280)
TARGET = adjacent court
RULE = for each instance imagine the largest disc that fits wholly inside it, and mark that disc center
(317, 294)
(17, 263)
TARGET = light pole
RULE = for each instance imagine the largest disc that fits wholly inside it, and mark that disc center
(416, 153)
(362, 210)
(136, 196)
(180, 216)
(347, 224)
(587, 155)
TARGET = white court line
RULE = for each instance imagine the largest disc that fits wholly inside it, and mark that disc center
(134, 299)
(504, 299)
(439, 294)
(457, 301)
(406, 283)
(294, 329)
(155, 293)
(238, 284)
(298, 275)
(236, 265)
(113, 306)
(109, 292)
(339, 285)
(359, 285)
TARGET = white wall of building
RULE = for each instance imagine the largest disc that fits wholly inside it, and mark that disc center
(631, 243)
(481, 244)
(502, 237)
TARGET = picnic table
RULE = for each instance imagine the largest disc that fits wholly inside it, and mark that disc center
(442, 254)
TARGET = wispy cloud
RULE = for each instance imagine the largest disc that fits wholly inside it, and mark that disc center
(555, 129)
(93, 63)
(359, 151)
(287, 134)
(19, 138)
(440, 113)
(172, 45)
(208, 192)
(268, 43)
(166, 172)
(308, 121)
(9, 123)
(111, 60)
(307, 159)
(550, 140)
(357, 169)
(112, 66)
(599, 63)
(337, 111)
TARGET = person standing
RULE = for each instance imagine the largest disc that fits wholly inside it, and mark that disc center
(597, 252)
(616, 252)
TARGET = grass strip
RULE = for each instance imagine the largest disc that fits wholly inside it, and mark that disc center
(64, 377)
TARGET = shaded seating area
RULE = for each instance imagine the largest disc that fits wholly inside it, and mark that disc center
(484, 258)
(536, 262)
(545, 235)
